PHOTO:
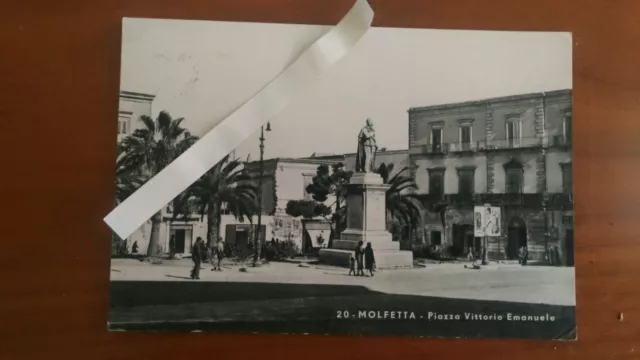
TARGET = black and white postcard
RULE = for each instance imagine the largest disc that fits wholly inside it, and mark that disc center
(421, 187)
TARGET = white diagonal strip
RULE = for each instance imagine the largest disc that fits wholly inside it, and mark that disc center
(241, 124)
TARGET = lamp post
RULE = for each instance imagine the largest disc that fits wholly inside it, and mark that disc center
(545, 208)
(258, 232)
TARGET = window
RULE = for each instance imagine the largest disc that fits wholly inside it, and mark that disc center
(514, 174)
(466, 180)
(436, 182)
(224, 209)
(436, 238)
(465, 137)
(514, 181)
(566, 126)
(513, 133)
(123, 125)
(436, 138)
(567, 178)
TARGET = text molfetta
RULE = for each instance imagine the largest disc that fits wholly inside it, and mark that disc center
(435, 316)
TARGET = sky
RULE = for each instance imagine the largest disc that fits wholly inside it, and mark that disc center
(203, 71)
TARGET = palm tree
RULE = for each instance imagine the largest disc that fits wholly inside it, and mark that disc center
(126, 184)
(402, 202)
(145, 153)
(228, 183)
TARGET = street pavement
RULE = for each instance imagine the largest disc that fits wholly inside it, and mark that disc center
(497, 282)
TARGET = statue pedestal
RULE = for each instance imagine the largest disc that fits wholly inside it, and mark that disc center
(366, 222)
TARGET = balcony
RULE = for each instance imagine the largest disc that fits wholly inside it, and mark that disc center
(422, 147)
(463, 147)
(518, 143)
(556, 201)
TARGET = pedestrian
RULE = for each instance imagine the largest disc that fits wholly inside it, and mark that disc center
(196, 256)
(523, 255)
(369, 259)
(172, 247)
(134, 247)
(470, 254)
(359, 258)
(352, 265)
(219, 251)
(549, 255)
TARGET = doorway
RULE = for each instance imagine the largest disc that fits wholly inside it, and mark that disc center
(568, 246)
(181, 235)
(242, 239)
(436, 238)
(462, 239)
(516, 237)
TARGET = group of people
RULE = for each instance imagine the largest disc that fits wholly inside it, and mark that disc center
(552, 255)
(198, 253)
(364, 258)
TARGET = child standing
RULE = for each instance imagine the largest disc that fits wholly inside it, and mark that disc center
(352, 265)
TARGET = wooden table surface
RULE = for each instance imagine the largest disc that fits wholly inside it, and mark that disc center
(59, 83)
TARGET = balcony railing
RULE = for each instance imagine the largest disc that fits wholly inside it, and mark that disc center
(536, 200)
(424, 147)
(516, 143)
(461, 147)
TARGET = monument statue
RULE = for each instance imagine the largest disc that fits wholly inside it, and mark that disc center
(367, 214)
(367, 147)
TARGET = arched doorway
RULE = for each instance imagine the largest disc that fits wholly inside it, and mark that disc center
(517, 237)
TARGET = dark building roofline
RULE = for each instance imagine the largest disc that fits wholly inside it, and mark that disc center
(311, 161)
(492, 100)
(390, 152)
(136, 96)
(332, 159)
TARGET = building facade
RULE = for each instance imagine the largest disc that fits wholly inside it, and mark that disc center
(132, 106)
(283, 180)
(513, 152)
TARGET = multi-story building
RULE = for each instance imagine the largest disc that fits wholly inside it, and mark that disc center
(132, 106)
(513, 152)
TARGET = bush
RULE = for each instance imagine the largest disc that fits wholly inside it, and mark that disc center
(290, 248)
(427, 251)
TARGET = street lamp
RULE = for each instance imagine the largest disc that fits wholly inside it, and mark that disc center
(258, 232)
(545, 208)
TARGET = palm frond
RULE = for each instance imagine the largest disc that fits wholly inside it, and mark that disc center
(148, 123)
(164, 122)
